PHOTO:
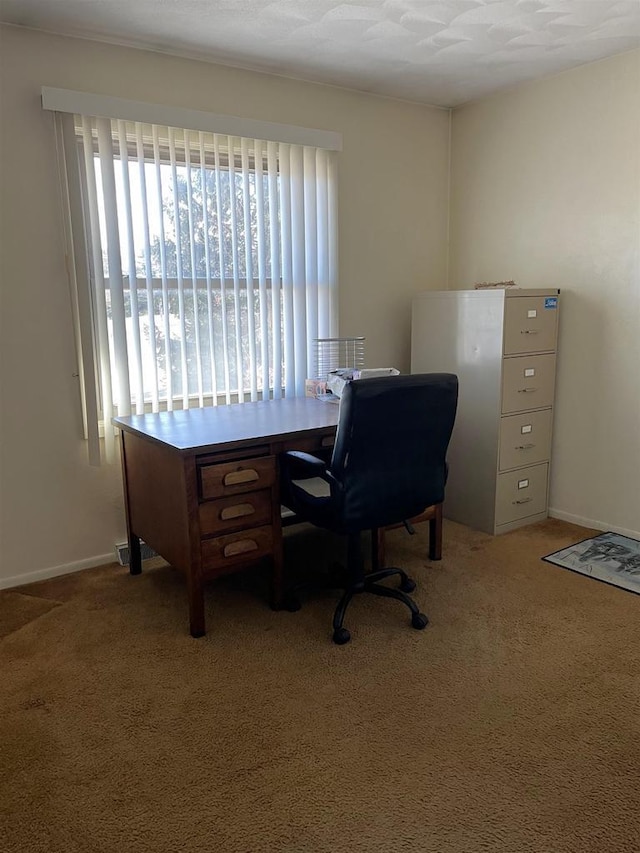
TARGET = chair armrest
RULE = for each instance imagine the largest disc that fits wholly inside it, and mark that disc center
(302, 466)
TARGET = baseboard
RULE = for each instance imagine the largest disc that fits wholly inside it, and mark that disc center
(105, 559)
(593, 523)
(55, 571)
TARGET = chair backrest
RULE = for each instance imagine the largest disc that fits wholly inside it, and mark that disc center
(391, 445)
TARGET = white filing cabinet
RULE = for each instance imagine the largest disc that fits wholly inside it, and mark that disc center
(502, 346)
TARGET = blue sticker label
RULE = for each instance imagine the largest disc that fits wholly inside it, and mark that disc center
(551, 302)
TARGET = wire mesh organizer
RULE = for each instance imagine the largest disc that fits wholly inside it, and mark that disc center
(335, 353)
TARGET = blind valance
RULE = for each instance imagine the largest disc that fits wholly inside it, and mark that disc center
(105, 106)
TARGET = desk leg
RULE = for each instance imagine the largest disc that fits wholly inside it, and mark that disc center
(435, 537)
(195, 591)
(377, 549)
(276, 559)
(277, 579)
(435, 534)
(135, 557)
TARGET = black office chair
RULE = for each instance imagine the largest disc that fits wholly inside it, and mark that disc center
(388, 464)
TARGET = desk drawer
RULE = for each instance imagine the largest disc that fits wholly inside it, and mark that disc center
(521, 493)
(223, 553)
(241, 475)
(527, 382)
(250, 509)
(314, 444)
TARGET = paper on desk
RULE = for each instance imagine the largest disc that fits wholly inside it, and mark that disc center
(373, 372)
(337, 379)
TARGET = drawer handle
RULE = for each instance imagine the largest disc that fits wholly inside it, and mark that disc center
(526, 390)
(522, 501)
(327, 441)
(524, 446)
(243, 546)
(528, 331)
(237, 511)
(244, 475)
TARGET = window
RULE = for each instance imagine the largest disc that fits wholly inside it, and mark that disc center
(208, 261)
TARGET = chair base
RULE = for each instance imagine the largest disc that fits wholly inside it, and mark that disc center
(370, 584)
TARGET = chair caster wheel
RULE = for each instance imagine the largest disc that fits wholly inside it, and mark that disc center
(292, 604)
(341, 636)
(419, 621)
(408, 585)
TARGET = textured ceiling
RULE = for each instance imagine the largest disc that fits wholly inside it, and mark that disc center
(442, 53)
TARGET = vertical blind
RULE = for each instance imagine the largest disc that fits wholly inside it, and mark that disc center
(209, 262)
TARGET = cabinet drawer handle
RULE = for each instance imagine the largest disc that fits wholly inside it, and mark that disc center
(245, 475)
(327, 441)
(243, 546)
(524, 446)
(522, 501)
(528, 331)
(237, 511)
(526, 390)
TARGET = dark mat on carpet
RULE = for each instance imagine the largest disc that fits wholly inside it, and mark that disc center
(609, 557)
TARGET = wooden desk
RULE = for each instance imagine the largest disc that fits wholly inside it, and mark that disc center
(202, 486)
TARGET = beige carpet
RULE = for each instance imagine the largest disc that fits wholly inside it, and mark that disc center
(18, 609)
(511, 724)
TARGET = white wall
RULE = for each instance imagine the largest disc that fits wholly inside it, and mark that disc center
(56, 512)
(546, 191)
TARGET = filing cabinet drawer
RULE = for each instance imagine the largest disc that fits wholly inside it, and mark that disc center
(521, 493)
(525, 439)
(250, 509)
(224, 553)
(531, 324)
(527, 382)
(240, 475)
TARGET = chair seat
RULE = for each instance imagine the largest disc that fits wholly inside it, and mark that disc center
(314, 486)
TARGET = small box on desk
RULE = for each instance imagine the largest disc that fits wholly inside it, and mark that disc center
(315, 387)
(337, 379)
